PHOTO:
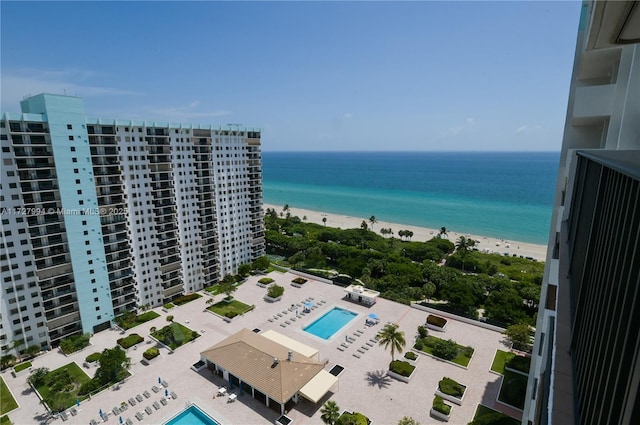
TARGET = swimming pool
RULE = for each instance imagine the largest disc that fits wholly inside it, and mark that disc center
(192, 415)
(330, 322)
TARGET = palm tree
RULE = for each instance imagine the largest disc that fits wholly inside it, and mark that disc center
(463, 245)
(383, 231)
(443, 231)
(363, 225)
(408, 234)
(401, 233)
(324, 221)
(330, 412)
(373, 221)
(391, 336)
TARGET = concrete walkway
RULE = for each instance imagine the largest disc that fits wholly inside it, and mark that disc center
(362, 387)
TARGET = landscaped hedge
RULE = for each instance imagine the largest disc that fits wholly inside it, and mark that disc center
(22, 366)
(354, 418)
(130, 340)
(519, 363)
(186, 298)
(129, 320)
(94, 357)
(74, 343)
(451, 387)
(299, 280)
(266, 280)
(151, 353)
(401, 367)
(410, 355)
(168, 306)
(436, 321)
(440, 406)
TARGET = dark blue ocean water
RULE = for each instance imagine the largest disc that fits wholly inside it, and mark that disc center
(507, 195)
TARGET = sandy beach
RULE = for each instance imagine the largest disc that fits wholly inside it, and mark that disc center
(485, 244)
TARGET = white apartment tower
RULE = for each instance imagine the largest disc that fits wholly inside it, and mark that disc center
(104, 216)
(585, 367)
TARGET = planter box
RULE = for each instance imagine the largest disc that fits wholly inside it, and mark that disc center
(264, 285)
(400, 377)
(451, 398)
(433, 412)
(149, 362)
(436, 327)
(22, 372)
(413, 362)
(272, 300)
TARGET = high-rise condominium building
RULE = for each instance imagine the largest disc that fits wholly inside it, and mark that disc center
(102, 216)
(586, 358)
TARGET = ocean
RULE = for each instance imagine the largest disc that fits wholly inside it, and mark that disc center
(507, 195)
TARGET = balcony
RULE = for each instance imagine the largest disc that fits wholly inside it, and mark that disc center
(593, 104)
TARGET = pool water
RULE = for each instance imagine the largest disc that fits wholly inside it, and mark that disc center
(192, 416)
(330, 322)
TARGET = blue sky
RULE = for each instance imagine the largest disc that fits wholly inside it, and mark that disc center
(414, 76)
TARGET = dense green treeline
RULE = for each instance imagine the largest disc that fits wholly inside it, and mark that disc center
(506, 288)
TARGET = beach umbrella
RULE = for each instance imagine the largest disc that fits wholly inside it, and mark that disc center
(373, 316)
(309, 304)
(77, 402)
(100, 412)
(159, 380)
(166, 392)
(121, 419)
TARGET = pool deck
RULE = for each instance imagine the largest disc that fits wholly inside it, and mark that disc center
(363, 386)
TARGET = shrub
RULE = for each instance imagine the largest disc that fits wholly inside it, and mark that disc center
(422, 332)
(451, 387)
(170, 318)
(74, 343)
(447, 350)
(94, 357)
(186, 298)
(168, 306)
(151, 353)
(299, 280)
(436, 321)
(401, 367)
(410, 355)
(440, 406)
(275, 291)
(354, 418)
(87, 387)
(418, 345)
(130, 341)
(266, 280)
(37, 377)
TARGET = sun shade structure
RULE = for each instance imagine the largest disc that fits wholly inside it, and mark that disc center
(273, 372)
(362, 295)
(318, 386)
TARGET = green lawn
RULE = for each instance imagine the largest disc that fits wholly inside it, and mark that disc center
(513, 389)
(175, 335)
(137, 320)
(233, 308)
(501, 358)
(500, 418)
(7, 402)
(4, 420)
(60, 389)
(463, 358)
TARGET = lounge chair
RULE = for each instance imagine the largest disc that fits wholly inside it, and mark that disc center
(369, 343)
(163, 401)
(360, 350)
(293, 319)
(283, 325)
(128, 421)
(364, 347)
(147, 394)
(174, 395)
(270, 319)
(93, 422)
(64, 416)
(156, 405)
(232, 398)
(139, 416)
(165, 384)
(356, 355)
(139, 398)
(340, 347)
(148, 410)
(73, 411)
(115, 411)
(287, 322)
(132, 402)
(155, 389)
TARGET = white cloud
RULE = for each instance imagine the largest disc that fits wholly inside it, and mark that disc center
(469, 123)
(527, 128)
(187, 111)
(15, 86)
(347, 115)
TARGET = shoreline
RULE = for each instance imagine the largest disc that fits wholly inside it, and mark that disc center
(421, 234)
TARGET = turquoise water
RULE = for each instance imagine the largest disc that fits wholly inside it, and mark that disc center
(192, 416)
(330, 323)
(507, 195)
